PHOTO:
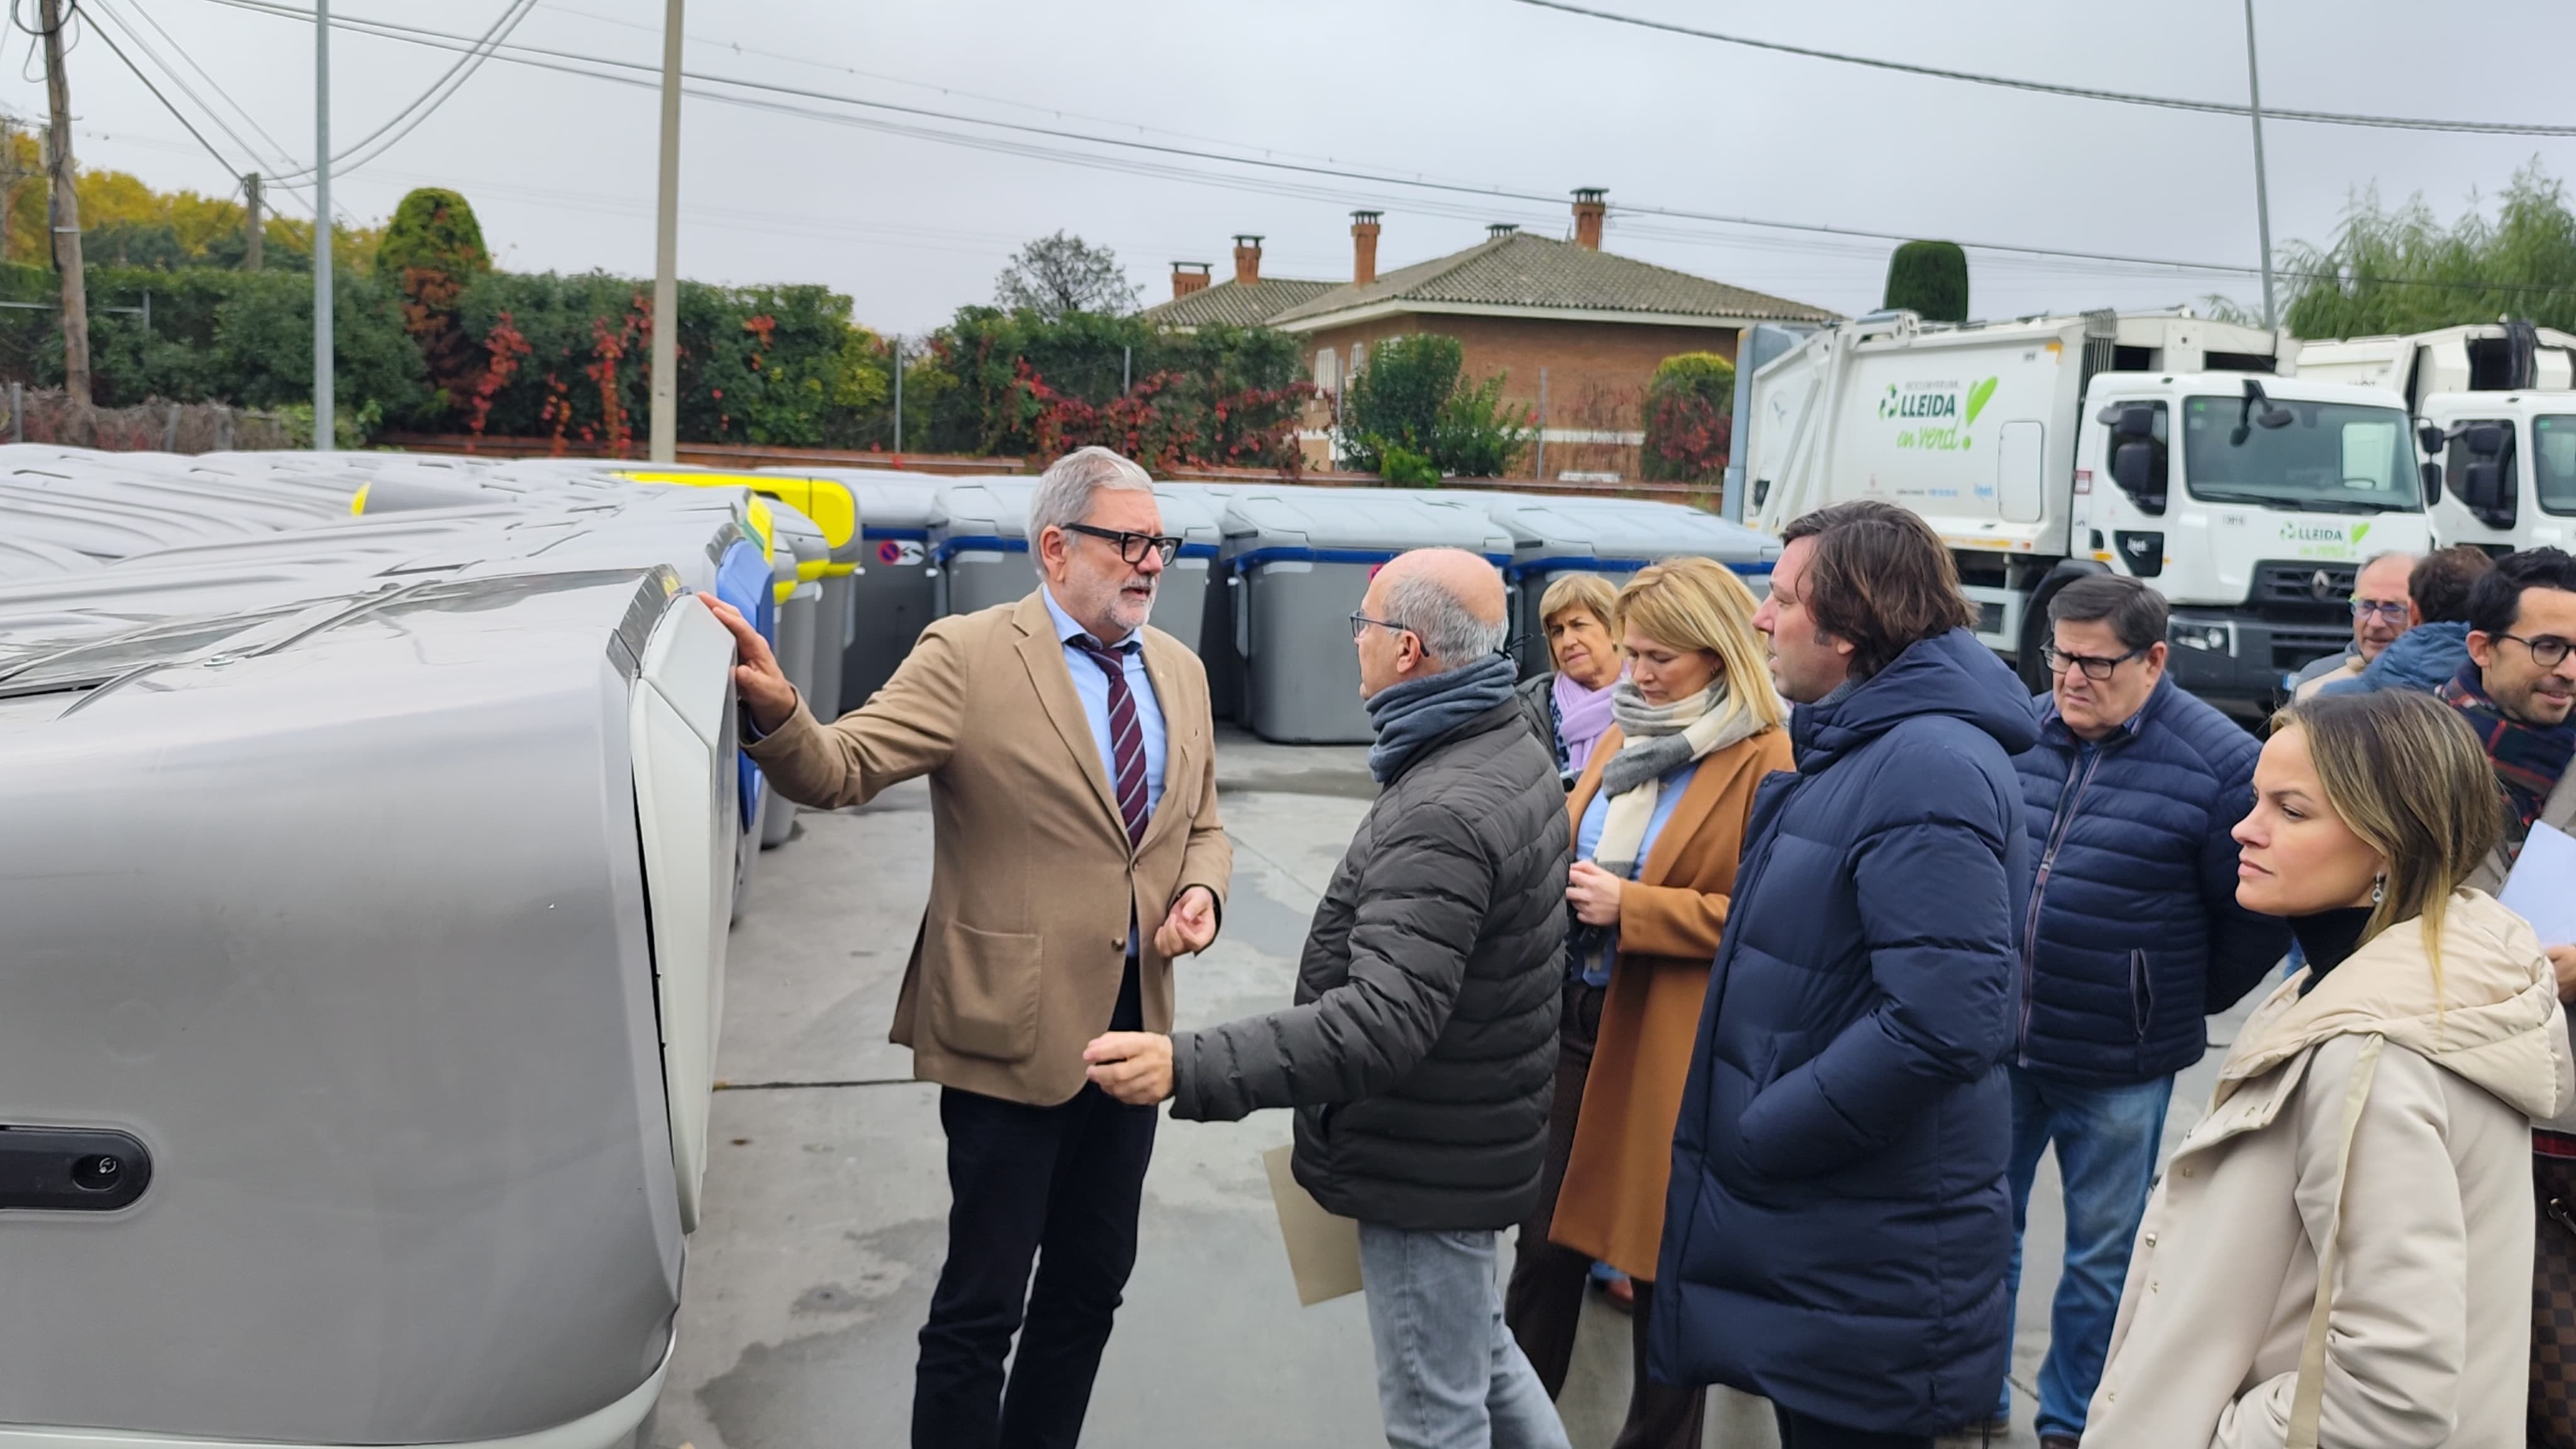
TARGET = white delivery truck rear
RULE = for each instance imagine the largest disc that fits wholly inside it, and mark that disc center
(2495, 408)
(2153, 445)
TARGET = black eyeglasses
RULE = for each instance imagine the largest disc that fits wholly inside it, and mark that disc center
(1132, 547)
(1360, 625)
(2094, 667)
(2548, 651)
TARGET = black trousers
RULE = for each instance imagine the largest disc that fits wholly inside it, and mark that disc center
(1058, 1185)
(1797, 1431)
(1543, 1302)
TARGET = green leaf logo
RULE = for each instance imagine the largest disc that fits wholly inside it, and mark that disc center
(1977, 397)
(2359, 532)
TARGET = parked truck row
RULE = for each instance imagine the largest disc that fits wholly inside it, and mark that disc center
(2245, 474)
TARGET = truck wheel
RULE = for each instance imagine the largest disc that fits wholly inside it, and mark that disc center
(2034, 633)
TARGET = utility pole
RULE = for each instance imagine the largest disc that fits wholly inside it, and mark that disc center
(665, 440)
(898, 394)
(65, 212)
(2262, 196)
(254, 225)
(324, 439)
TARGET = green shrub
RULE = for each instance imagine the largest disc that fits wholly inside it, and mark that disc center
(1690, 407)
(1410, 401)
(1929, 278)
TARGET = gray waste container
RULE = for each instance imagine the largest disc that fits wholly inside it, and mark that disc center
(1298, 561)
(890, 599)
(980, 540)
(1613, 537)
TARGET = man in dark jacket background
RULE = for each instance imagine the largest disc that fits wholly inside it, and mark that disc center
(1838, 1228)
(2436, 648)
(2132, 936)
(1422, 1046)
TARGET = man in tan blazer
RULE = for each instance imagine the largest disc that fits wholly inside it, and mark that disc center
(1076, 852)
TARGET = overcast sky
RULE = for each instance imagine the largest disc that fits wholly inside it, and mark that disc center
(1486, 93)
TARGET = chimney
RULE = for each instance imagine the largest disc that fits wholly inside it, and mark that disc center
(1497, 230)
(1588, 207)
(1363, 248)
(1188, 277)
(1247, 260)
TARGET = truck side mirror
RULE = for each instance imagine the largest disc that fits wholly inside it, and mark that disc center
(2134, 422)
(2430, 438)
(2432, 484)
(2486, 440)
(2482, 485)
(2133, 467)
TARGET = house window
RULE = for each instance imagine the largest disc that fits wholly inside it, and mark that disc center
(1359, 357)
(1328, 371)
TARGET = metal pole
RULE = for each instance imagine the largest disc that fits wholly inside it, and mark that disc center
(65, 213)
(323, 437)
(1126, 370)
(1539, 470)
(2262, 194)
(898, 394)
(665, 442)
(255, 223)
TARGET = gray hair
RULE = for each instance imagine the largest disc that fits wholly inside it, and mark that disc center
(1064, 491)
(1451, 633)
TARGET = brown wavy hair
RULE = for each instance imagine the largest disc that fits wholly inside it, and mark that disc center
(1879, 579)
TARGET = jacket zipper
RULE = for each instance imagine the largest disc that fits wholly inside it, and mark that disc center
(2068, 798)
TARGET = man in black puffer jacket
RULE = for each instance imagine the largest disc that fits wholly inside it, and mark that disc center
(1421, 1049)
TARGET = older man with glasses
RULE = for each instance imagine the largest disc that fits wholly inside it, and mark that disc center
(2131, 936)
(2382, 609)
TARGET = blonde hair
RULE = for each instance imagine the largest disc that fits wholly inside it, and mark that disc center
(2409, 777)
(1697, 603)
(1579, 591)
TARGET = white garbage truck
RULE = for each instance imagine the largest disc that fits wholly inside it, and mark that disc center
(2156, 445)
(2495, 414)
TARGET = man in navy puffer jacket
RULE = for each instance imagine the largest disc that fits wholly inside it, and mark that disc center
(2132, 936)
(1837, 1227)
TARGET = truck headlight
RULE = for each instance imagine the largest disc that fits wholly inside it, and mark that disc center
(2211, 638)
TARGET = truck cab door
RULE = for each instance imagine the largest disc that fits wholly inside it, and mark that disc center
(2130, 484)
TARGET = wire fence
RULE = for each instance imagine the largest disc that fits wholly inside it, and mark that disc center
(48, 415)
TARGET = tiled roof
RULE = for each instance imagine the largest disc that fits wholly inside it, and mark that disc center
(1521, 270)
(1233, 304)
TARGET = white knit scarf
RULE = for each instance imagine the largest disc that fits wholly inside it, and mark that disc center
(1659, 739)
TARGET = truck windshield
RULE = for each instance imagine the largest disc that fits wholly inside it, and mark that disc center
(2332, 458)
(2553, 461)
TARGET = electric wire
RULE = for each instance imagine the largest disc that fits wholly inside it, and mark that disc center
(427, 103)
(278, 157)
(2128, 98)
(645, 76)
(166, 104)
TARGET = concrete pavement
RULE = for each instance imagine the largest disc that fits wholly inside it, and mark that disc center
(823, 1227)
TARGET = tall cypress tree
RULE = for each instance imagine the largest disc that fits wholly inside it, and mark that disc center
(1929, 278)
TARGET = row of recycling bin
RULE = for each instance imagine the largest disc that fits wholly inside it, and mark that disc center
(1266, 578)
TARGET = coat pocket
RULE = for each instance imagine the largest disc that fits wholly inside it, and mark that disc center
(981, 996)
(2142, 994)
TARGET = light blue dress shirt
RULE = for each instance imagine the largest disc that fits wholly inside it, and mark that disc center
(1093, 687)
(1587, 839)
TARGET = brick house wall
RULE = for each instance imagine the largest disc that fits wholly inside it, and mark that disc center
(1597, 374)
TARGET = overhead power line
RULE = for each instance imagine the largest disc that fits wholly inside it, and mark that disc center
(2050, 88)
(1159, 159)
(403, 122)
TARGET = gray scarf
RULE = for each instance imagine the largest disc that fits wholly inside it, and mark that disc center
(1657, 740)
(1410, 715)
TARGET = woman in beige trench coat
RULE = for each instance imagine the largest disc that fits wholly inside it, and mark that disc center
(2373, 1117)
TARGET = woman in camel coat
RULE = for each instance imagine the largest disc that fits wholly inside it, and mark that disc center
(1656, 851)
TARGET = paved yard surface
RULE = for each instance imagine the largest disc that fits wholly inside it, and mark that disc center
(825, 1199)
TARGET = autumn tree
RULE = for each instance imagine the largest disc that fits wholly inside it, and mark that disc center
(432, 249)
(1061, 274)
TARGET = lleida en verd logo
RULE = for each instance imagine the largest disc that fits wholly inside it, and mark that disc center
(1936, 415)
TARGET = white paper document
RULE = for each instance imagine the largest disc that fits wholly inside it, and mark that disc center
(2542, 888)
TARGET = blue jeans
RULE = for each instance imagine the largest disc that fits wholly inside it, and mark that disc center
(2107, 1138)
(1449, 1375)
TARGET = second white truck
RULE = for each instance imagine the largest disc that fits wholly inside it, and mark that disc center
(2156, 445)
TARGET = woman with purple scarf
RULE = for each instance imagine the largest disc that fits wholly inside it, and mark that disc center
(1569, 708)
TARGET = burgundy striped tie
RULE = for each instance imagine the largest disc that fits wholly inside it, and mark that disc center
(1126, 737)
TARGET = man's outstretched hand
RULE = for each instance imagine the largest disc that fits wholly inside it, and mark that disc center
(1133, 1066)
(1191, 926)
(757, 678)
